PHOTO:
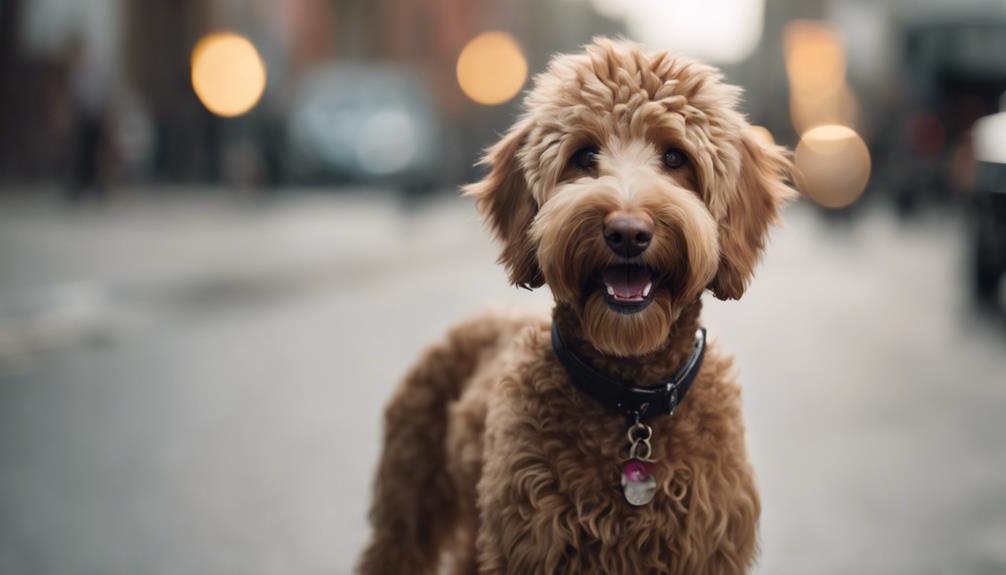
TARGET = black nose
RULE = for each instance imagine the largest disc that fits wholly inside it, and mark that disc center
(628, 236)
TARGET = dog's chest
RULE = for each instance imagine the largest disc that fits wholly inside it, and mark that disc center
(556, 470)
(614, 517)
(628, 471)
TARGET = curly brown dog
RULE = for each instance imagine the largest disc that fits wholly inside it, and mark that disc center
(630, 185)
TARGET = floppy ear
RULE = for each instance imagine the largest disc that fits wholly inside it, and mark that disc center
(505, 202)
(762, 189)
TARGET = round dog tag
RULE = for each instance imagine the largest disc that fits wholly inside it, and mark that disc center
(638, 483)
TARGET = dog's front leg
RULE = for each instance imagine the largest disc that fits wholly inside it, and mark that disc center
(521, 527)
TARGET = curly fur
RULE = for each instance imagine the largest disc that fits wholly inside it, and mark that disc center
(492, 461)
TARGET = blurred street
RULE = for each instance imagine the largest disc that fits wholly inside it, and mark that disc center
(194, 385)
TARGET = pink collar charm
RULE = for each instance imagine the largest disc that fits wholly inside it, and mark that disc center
(638, 483)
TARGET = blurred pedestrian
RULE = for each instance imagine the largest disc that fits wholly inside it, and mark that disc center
(88, 101)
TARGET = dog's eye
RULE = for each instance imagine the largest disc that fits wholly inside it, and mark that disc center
(674, 158)
(585, 158)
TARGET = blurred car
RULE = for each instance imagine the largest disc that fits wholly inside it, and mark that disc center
(954, 74)
(989, 244)
(364, 124)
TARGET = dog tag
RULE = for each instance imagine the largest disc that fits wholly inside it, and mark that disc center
(638, 483)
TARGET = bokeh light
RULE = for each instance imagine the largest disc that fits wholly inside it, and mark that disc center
(815, 58)
(832, 165)
(228, 74)
(491, 68)
(989, 134)
(816, 67)
(837, 107)
(721, 31)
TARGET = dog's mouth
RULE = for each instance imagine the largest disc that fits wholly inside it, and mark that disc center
(627, 288)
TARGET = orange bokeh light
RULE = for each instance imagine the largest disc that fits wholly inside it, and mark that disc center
(815, 58)
(832, 165)
(228, 74)
(491, 68)
(838, 107)
(815, 67)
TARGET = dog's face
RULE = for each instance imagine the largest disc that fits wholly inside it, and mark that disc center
(630, 185)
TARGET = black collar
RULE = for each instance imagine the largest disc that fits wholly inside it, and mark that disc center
(633, 401)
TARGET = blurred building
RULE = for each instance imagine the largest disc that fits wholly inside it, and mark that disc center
(163, 132)
(314, 50)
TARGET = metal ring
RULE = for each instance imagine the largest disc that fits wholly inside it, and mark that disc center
(636, 430)
(633, 451)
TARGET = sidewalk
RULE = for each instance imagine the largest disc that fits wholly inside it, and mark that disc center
(221, 411)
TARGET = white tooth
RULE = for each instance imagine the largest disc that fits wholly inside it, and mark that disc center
(646, 290)
(611, 290)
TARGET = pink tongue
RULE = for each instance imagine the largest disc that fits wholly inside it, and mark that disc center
(626, 281)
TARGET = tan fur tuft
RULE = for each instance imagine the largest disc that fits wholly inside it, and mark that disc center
(503, 200)
(762, 191)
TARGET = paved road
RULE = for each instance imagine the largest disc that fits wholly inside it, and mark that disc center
(193, 386)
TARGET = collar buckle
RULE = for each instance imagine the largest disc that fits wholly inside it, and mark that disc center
(672, 398)
(635, 402)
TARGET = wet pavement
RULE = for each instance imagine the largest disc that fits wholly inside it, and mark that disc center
(193, 385)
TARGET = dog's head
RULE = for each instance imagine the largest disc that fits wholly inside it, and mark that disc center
(630, 185)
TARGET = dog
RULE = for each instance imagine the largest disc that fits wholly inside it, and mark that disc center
(630, 185)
